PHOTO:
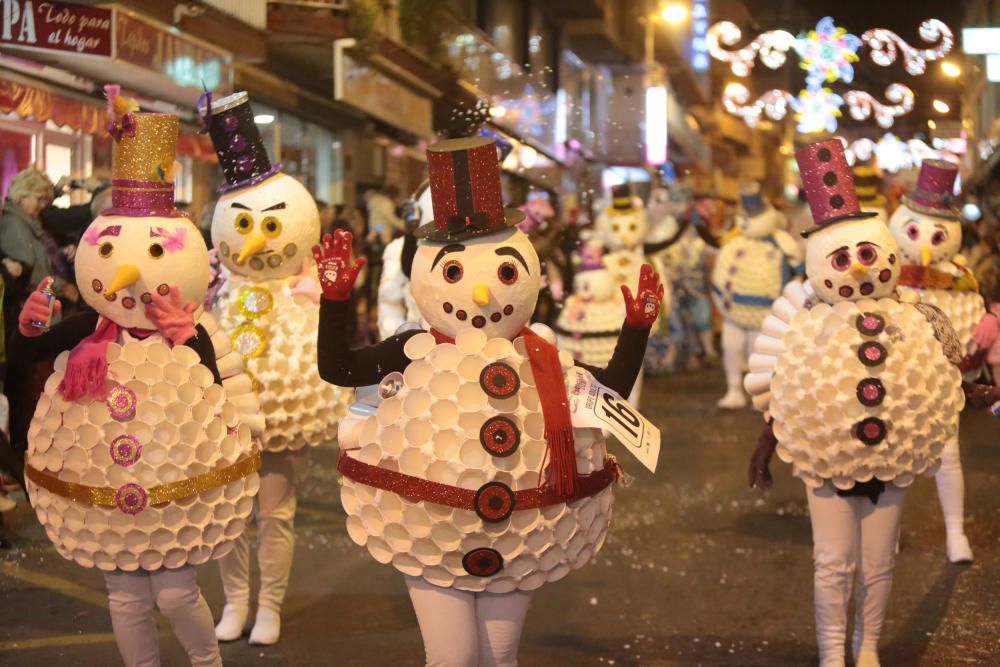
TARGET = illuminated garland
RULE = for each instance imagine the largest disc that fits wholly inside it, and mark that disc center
(892, 154)
(885, 44)
(771, 46)
(862, 105)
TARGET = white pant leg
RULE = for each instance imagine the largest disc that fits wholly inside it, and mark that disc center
(501, 619)
(179, 598)
(835, 526)
(752, 335)
(951, 489)
(276, 506)
(734, 346)
(879, 535)
(447, 619)
(234, 569)
(130, 601)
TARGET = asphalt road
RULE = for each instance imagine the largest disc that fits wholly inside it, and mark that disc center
(697, 570)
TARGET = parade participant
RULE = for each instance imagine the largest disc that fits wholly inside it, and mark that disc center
(928, 229)
(396, 306)
(263, 227)
(537, 224)
(471, 478)
(750, 271)
(861, 395)
(140, 460)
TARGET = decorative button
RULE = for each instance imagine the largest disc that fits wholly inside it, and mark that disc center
(249, 340)
(870, 324)
(836, 201)
(494, 502)
(121, 403)
(499, 380)
(125, 450)
(131, 498)
(872, 353)
(499, 436)
(870, 431)
(482, 562)
(871, 392)
(824, 154)
(829, 179)
(256, 302)
(230, 123)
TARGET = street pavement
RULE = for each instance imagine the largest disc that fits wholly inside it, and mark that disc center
(697, 570)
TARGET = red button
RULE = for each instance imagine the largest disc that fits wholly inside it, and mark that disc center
(482, 562)
(499, 436)
(494, 502)
(499, 380)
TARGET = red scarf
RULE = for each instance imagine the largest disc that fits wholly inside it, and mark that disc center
(87, 368)
(547, 371)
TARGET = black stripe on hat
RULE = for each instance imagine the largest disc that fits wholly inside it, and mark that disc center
(464, 203)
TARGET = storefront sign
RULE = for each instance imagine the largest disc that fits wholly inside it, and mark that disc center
(57, 26)
(380, 96)
(187, 62)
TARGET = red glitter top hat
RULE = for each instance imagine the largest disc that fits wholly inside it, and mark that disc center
(935, 186)
(465, 191)
(829, 185)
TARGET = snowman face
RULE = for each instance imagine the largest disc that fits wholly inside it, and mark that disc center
(622, 230)
(593, 285)
(264, 231)
(121, 261)
(925, 239)
(852, 260)
(762, 225)
(489, 282)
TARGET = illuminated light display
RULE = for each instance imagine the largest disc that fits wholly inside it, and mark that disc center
(863, 105)
(771, 46)
(827, 52)
(817, 110)
(892, 154)
(886, 45)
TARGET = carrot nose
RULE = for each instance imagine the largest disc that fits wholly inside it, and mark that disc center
(857, 270)
(255, 243)
(481, 294)
(126, 276)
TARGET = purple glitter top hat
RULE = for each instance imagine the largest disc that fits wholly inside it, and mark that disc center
(237, 141)
(829, 185)
(935, 186)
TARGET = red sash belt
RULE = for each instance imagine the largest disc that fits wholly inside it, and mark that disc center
(493, 501)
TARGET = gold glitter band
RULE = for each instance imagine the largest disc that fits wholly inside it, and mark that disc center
(162, 493)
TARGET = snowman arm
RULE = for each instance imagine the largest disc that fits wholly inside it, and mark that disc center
(201, 343)
(621, 372)
(657, 246)
(708, 237)
(340, 365)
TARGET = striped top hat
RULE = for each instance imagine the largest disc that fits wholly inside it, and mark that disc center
(621, 198)
(868, 185)
(829, 185)
(464, 175)
(935, 185)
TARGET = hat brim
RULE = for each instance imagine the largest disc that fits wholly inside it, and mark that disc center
(860, 215)
(948, 212)
(511, 216)
(254, 180)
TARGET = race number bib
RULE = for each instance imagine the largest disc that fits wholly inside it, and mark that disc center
(592, 405)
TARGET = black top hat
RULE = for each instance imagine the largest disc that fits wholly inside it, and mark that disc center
(237, 140)
(465, 191)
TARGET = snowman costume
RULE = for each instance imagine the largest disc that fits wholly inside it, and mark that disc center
(263, 228)
(750, 270)
(396, 306)
(140, 459)
(470, 478)
(929, 233)
(861, 393)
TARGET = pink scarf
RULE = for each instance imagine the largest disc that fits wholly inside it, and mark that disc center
(87, 370)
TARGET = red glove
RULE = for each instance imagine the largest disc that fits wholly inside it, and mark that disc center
(333, 260)
(643, 309)
(173, 320)
(760, 460)
(36, 309)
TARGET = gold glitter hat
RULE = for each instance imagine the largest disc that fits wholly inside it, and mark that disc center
(144, 162)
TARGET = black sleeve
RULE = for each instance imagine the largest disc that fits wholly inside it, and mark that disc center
(621, 372)
(64, 223)
(707, 236)
(409, 251)
(653, 248)
(202, 344)
(340, 365)
(23, 351)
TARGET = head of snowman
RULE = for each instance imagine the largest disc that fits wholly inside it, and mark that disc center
(926, 225)
(757, 219)
(594, 284)
(624, 224)
(141, 245)
(473, 268)
(265, 230)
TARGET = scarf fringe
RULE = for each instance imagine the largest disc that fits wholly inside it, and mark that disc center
(87, 368)
(562, 461)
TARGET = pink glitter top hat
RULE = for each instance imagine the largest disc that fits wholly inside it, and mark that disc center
(935, 186)
(829, 185)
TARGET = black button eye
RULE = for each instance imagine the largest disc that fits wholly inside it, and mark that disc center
(507, 273)
(453, 271)
(105, 250)
(156, 251)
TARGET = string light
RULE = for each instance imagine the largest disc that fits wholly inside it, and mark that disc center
(862, 105)
(886, 46)
(771, 46)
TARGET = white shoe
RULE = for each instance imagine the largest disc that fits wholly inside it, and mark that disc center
(959, 549)
(267, 628)
(234, 619)
(733, 400)
(867, 658)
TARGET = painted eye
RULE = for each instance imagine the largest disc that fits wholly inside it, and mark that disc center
(243, 223)
(633, 227)
(271, 226)
(507, 273)
(614, 227)
(841, 260)
(156, 251)
(867, 254)
(452, 271)
(912, 232)
(939, 237)
(105, 250)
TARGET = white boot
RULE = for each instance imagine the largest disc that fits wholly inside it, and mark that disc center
(733, 400)
(867, 658)
(267, 628)
(959, 549)
(234, 619)
(951, 493)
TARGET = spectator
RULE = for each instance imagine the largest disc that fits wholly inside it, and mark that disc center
(66, 224)
(382, 218)
(23, 238)
(327, 217)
